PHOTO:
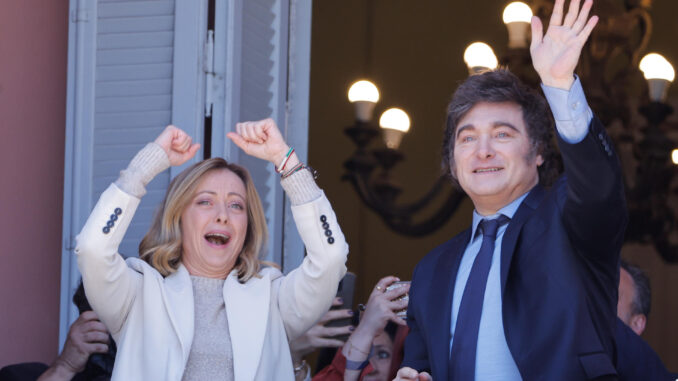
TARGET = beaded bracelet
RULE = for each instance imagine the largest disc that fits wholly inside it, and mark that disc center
(283, 163)
(294, 170)
(298, 168)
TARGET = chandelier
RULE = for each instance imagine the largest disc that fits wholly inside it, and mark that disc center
(634, 110)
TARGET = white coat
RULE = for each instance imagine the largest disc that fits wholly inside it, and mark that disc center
(151, 317)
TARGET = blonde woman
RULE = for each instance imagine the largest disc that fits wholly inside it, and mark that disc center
(199, 303)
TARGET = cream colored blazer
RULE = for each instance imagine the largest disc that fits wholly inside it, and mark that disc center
(151, 317)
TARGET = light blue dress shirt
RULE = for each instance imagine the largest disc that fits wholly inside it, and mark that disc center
(493, 358)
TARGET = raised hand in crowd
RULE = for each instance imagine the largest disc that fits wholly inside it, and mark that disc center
(86, 336)
(363, 344)
(320, 336)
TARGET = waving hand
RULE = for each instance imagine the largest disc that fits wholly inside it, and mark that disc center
(555, 54)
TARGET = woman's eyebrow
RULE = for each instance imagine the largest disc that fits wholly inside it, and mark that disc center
(213, 193)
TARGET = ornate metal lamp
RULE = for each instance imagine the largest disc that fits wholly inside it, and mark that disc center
(377, 189)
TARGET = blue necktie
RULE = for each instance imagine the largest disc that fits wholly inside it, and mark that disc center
(462, 365)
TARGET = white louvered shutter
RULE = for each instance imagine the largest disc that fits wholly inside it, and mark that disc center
(127, 80)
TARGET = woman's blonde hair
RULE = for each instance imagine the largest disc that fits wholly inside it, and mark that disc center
(162, 245)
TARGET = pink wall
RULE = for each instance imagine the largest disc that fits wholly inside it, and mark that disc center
(33, 54)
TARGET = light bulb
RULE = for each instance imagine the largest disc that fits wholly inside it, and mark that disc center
(394, 123)
(655, 66)
(396, 119)
(363, 91)
(517, 12)
(674, 156)
(659, 74)
(364, 96)
(479, 55)
(517, 17)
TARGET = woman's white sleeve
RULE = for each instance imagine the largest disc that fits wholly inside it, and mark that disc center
(110, 285)
(306, 293)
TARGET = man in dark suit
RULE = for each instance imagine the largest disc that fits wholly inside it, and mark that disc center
(635, 297)
(529, 291)
(636, 360)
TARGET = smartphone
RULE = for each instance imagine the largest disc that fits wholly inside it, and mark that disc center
(345, 291)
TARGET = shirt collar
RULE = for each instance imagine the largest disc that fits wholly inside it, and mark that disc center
(508, 210)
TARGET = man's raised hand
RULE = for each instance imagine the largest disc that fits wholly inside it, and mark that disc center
(555, 54)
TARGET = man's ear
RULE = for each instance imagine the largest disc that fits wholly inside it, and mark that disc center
(637, 323)
(539, 159)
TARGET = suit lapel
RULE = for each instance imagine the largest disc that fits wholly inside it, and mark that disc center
(442, 290)
(514, 228)
(179, 300)
(247, 309)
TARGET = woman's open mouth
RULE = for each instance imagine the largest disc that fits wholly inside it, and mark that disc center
(217, 239)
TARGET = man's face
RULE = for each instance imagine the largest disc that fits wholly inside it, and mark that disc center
(627, 293)
(493, 161)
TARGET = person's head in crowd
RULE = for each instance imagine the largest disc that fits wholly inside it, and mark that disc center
(382, 355)
(498, 140)
(183, 232)
(633, 306)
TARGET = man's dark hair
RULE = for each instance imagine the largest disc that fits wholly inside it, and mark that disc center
(497, 86)
(642, 300)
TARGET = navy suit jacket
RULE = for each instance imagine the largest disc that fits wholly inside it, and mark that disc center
(559, 275)
(636, 359)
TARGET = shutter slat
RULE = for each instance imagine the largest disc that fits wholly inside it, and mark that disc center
(133, 119)
(136, 24)
(141, 103)
(132, 72)
(133, 56)
(135, 8)
(136, 40)
(129, 88)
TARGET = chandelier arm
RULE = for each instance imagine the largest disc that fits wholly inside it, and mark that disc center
(368, 195)
(364, 192)
(436, 221)
(645, 25)
(423, 201)
(666, 250)
(398, 217)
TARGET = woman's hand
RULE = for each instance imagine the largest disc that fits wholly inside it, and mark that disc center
(261, 139)
(383, 306)
(177, 145)
(320, 336)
